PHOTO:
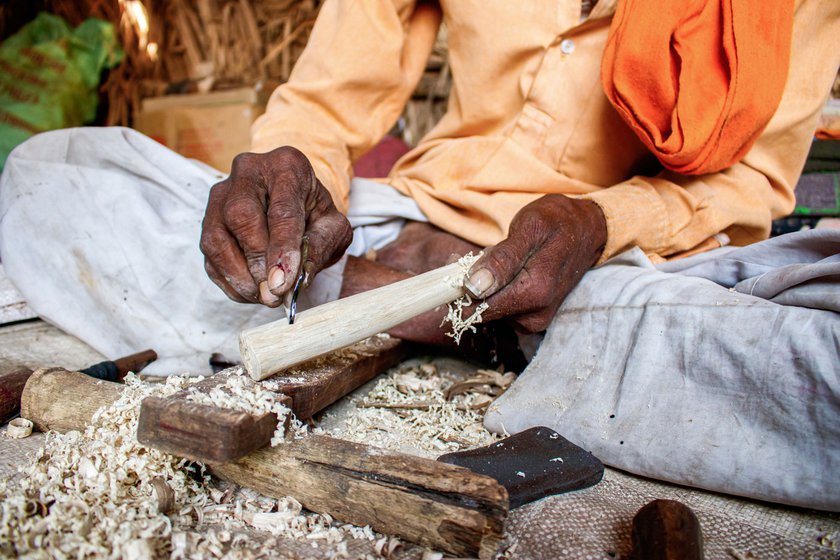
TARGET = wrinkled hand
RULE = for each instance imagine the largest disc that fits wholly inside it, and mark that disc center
(255, 222)
(551, 243)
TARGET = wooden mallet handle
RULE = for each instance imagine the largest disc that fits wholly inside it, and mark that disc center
(276, 346)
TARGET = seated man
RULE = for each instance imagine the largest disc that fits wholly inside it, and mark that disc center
(533, 159)
(570, 138)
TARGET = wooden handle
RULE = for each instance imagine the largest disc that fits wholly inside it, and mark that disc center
(11, 387)
(56, 399)
(666, 530)
(276, 346)
(135, 362)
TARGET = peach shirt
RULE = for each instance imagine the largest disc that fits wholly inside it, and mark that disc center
(527, 116)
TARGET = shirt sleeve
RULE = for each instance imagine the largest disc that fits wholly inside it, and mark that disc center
(671, 213)
(362, 61)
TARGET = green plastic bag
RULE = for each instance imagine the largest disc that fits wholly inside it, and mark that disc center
(49, 76)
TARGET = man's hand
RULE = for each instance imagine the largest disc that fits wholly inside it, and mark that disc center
(551, 243)
(255, 222)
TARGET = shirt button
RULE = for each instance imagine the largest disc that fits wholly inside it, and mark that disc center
(567, 46)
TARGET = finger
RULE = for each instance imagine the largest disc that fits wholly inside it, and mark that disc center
(532, 298)
(286, 222)
(518, 296)
(499, 265)
(223, 252)
(329, 237)
(244, 216)
(220, 281)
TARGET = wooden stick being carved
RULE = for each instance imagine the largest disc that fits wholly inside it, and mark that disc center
(277, 346)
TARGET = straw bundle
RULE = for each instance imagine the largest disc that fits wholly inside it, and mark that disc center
(195, 45)
(204, 45)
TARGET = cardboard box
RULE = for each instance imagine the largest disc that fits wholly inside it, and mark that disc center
(210, 127)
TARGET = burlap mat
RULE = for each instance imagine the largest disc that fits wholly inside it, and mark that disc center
(595, 523)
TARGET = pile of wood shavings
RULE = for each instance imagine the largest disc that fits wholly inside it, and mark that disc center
(97, 494)
(240, 392)
(408, 411)
(455, 310)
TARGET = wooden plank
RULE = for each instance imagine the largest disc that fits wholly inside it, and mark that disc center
(316, 384)
(203, 432)
(13, 306)
(216, 435)
(430, 503)
(437, 505)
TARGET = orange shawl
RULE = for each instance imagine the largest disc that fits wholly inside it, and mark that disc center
(698, 80)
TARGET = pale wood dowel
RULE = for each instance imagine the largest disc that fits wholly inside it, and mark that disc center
(56, 399)
(276, 346)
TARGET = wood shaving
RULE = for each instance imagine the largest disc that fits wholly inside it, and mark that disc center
(829, 540)
(98, 494)
(240, 392)
(455, 310)
(19, 428)
(741, 555)
(485, 381)
(407, 410)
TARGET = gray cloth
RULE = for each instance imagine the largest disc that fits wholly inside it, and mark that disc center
(800, 268)
(99, 231)
(680, 379)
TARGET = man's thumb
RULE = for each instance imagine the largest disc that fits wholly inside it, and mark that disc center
(496, 269)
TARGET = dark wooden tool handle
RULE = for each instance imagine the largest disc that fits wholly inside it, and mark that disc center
(11, 388)
(135, 362)
(666, 530)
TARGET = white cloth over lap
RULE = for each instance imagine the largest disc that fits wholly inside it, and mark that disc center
(99, 230)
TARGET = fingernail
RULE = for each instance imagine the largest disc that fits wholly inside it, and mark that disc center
(276, 277)
(266, 296)
(479, 282)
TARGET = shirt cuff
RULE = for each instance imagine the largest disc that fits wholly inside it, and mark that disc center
(635, 216)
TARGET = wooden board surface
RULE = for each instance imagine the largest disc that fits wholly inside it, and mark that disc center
(211, 434)
(316, 384)
(13, 306)
(203, 432)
